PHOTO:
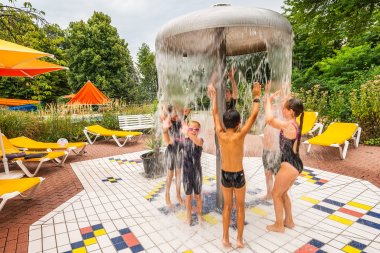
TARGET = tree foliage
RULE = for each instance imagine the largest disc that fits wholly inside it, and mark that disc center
(96, 52)
(146, 90)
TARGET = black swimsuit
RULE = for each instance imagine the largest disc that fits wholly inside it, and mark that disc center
(233, 179)
(192, 169)
(287, 152)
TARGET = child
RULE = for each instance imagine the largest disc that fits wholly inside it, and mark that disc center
(192, 170)
(291, 164)
(231, 141)
(271, 158)
(231, 99)
(173, 154)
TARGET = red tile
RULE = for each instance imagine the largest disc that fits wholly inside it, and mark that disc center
(130, 240)
(307, 248)
(85, 230)
(350, 212)
(323, 180)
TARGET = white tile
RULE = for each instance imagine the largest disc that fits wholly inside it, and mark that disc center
(62, 239)
(48, 242)
(35, 246)
(104, 241)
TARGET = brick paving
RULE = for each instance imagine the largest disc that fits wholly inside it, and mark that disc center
(62, 183)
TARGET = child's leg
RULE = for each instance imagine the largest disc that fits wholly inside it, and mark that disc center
(285, 177)
(227, 196)
(188, 208)
(240, 213)
(288, 222)
(178, 185)
(198, 199)
(169, 179)
(269, 181)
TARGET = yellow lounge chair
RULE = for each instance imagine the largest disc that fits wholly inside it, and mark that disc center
(101, 131)
(30, 144)
(310, 124)
(27, 156)
(336, 135)
(10, 188)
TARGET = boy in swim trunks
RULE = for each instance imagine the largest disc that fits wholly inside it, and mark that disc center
(192, 170)
(231, 141)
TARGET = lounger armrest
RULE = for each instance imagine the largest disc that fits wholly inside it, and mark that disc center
(317, 126)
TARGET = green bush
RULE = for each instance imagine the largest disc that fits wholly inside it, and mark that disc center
(365, 104)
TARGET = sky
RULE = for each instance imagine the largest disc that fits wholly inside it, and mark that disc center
(137, 21)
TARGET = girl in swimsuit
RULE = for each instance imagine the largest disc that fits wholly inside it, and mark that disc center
(291, 164)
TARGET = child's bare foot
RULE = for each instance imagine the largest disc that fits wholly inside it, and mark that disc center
(226, 243)
(276, 228)
(200, 219)
(266, 197)
(289, 224)
(240, 243)
(180, 201)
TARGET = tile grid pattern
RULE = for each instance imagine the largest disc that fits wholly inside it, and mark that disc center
(124, 206)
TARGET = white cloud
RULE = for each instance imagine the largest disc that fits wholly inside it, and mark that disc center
(137, 21)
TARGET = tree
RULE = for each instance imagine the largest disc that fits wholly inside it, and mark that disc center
(146, 90)
(323, 26)
(96, 52)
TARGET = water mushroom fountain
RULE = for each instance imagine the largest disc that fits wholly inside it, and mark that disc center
(191, 47)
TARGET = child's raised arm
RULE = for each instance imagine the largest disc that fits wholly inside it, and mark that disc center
(269, 117)
(212, 94)
(255, 109)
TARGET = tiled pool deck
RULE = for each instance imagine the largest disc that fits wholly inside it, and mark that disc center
(120, 210)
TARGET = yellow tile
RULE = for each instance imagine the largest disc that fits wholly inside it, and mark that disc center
(188, 251)
(311, 200)
(350, 249)
(259, 211)
(305, 173)
(311, 181)
(210, 219)
(359, 205)
(152, 193)
(99, 232)
(112, 180)
(181, 216)
(90, 241)
(148, 197)
(308, 177)
(340, 219)
(80, 250)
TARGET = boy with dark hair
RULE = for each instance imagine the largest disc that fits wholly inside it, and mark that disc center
(231, 141)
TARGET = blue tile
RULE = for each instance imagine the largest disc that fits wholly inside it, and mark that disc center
(97, 227)
(357, 245)
(319, 183)
(124, 231)
(316, 243)
(316, 178)
(333, 202)
(324, 209)
(117, 240)
(373, 214)
(120, 246)
(137, 248)
(88, 235)
(76, 245)
(307, 170)
(369, 223)
(320, 251)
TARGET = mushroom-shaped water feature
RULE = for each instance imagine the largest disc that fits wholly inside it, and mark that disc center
(189, 48)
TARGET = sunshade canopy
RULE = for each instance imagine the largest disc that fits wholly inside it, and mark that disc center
(12, 54)
(89, 95)
(30, 68)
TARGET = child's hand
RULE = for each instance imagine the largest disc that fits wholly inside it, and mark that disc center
(231, 73)
(186, 111)
(184, 128)
(166, 123)
(256, 89)
(273, 95)
(211, 92)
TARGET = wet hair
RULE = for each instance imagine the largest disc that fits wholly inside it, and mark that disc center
(194, 122)
(231, 118)
(297, 106)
